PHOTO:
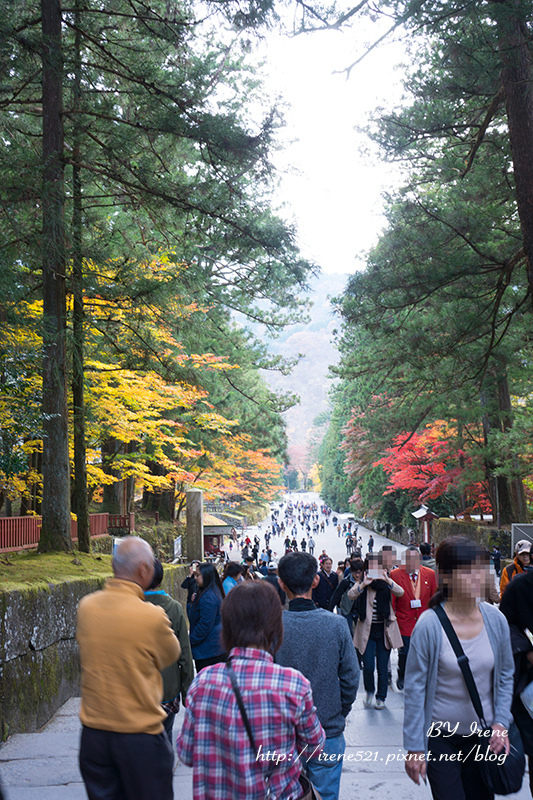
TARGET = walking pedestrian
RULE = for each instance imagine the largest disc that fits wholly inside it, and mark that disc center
(272, 578)
(232, 575)
(376, 630)
(326, 585)
(190, 584)
(419, 584)
(496, 557)
(319, 645)
(439, 713)
(277, 701)
(522, 560)
(177, 677)
(517, 606)
(205, 620)
(347, 606)
(124, 644)
(427, 558)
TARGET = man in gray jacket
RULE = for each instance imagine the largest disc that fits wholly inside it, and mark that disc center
(332, 669)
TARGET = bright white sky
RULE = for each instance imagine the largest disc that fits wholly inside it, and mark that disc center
(330, 186)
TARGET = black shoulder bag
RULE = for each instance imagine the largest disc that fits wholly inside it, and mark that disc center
(309, 792)
(500, 778)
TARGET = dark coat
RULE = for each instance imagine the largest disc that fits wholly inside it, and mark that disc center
(273, 579)
(326, 586)
(517, 606)
(206, 624)
(177, 677)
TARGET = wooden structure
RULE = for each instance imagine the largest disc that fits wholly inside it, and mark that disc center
(214, 539)
(424, 515)
(22, 533)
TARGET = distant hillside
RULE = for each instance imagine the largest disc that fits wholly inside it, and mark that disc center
(309, 378)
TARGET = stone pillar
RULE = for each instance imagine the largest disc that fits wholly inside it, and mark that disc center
(195, 524)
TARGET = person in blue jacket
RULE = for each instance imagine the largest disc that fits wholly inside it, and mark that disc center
(204, 618)
(232, 575)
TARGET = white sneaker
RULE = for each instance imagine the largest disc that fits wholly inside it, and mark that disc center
(369, 700)
(380, 704)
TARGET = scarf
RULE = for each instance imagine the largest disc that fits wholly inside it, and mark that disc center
(383, 600)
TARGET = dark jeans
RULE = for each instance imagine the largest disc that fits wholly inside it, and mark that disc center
(376, 652)
(351, 624)
(524, 723)
(200, 663)
(451, 779)
(126, 766)
(402, 657)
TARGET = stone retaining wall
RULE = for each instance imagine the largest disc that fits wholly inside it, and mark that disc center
(39, 660)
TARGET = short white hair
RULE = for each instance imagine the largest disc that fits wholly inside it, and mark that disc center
(131, 553)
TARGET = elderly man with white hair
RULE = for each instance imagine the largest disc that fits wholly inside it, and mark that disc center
(124, 644)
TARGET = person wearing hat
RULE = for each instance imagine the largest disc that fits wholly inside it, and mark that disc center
(272, 577)
(520, 562)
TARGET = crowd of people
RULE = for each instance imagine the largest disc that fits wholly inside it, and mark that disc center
(266, 712)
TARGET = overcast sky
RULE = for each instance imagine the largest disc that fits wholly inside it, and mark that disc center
(331, 184)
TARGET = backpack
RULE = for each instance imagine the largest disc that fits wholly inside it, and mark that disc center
(346, 604)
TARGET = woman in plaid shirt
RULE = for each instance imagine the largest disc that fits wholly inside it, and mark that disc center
(278, 703)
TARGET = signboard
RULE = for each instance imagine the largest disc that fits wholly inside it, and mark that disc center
(177, 547)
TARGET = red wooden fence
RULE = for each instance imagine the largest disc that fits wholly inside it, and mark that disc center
(22, 533)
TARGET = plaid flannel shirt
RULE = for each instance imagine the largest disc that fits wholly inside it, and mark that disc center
(285, 727)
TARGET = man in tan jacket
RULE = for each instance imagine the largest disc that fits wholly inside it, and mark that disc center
(124, 644)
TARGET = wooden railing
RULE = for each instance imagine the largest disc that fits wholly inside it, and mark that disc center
(22, 533)
(125, 522)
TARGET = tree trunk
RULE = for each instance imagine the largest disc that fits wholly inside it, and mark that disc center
(56, 526)
(114, 500)
(507, 494)
(163, 502)
(36, 504)
(517, 80)
(516, 484)
(81, 504)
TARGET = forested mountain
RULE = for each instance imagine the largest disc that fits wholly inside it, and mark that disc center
(309, 380)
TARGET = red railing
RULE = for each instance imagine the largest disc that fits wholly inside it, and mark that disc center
(22, 533)
(121, 522)
(19, 533)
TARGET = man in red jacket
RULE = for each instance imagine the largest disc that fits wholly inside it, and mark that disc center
(419, 584)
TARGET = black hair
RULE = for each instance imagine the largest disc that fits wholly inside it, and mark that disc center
(452, 553)
(158, 575)
(425, 548)
(210, 577)
(357, 564)
(232, 570)
(297, 571)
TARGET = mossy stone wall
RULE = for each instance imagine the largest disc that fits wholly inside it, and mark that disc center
(39, 659)
(484, 535)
